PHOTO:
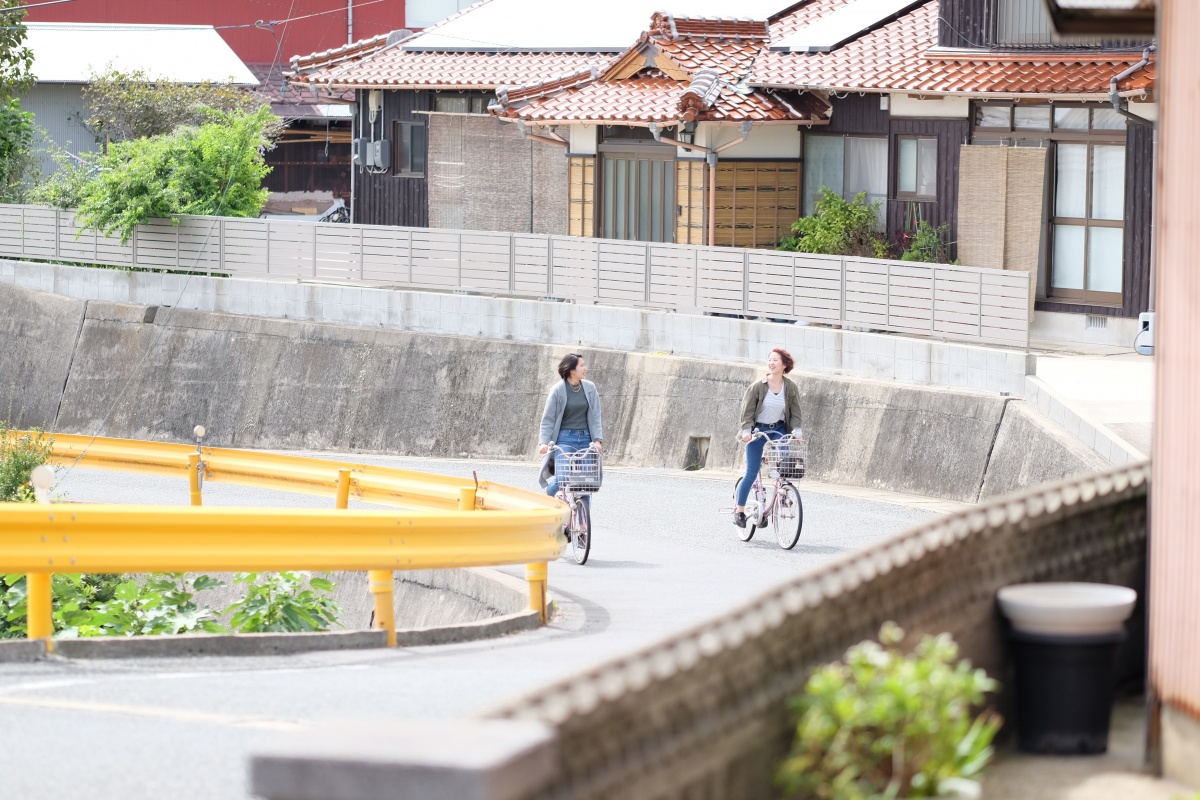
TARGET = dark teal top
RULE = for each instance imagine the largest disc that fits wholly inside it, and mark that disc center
(575, 415)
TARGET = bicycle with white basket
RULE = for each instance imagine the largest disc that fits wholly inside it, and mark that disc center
(785, 458)
(580, 475)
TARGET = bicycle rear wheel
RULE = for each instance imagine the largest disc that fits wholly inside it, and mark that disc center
(581, 532)
(752, 512)
(788, 516)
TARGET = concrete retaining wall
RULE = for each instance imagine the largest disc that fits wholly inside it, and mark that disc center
(916, 361)
(278, 384)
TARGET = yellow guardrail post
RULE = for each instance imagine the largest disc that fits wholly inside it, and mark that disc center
(536, 574)
(39, 591)
(380, 581)
(466, 498)
(39, 610)
(194, 478)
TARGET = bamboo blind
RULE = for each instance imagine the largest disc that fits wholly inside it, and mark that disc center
(757, 202)
(581, 172)
(689, 195)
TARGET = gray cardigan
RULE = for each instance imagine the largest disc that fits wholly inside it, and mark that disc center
(556, 404)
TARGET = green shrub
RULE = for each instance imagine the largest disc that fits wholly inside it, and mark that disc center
(19, 454)
(278, 601)
(926, 243)
(112, 605)
(838, 228)
(216, 168)
(886, 725)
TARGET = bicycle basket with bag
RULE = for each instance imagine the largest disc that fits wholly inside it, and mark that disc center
(787, 457)
(581, 471)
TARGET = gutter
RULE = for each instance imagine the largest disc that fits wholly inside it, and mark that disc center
(1114, 94)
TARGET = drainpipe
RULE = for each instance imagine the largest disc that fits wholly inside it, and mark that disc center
(710, 156)
(1114, 95)
(349, 21)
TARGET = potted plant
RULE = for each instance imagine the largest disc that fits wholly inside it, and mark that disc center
(884, 724)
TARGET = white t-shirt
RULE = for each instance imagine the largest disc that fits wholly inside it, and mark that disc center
(772, 408)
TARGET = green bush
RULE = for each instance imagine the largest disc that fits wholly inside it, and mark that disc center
(838, 228)
(66, 186)
(278, 601)
(926, 243)
(214, 169)
(19, 454)
(886, 725)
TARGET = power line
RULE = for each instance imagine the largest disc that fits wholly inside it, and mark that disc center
(260, 24)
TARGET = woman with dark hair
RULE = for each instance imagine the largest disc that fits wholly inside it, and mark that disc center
(772, 406)
(571, 418)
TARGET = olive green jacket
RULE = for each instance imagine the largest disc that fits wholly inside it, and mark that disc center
(753, 400)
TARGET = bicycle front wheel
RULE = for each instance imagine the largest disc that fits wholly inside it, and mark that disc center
(581, 532)
(747, 533)
(788, 516)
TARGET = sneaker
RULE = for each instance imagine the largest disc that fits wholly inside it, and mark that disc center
(739, 519)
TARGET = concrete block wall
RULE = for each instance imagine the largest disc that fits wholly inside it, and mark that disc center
(920, 362)
(1091, 434)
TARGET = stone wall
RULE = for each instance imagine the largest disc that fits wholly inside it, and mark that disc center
(277, 384)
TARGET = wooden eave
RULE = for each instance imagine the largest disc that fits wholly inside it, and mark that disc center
(638, 59)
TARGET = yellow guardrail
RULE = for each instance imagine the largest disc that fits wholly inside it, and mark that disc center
(442, 522)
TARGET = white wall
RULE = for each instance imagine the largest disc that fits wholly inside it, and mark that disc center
(583, 140)
(766, 141)
(907, 105)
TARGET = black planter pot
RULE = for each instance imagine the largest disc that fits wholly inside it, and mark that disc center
(1065, 689)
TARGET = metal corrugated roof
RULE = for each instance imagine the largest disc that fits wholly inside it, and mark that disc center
(70, 52)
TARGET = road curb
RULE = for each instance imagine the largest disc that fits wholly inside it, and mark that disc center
(205, 644)
(22, 651)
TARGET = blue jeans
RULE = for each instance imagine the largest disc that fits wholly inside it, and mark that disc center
(571, 442)
(754, 452)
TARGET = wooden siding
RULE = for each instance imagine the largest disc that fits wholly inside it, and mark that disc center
(951, 135)
(856, 113)
(757, 202)
(1139, 212)
(310, 167)
(965, 23)
(386, 199)
(690, 197)
(581, 195)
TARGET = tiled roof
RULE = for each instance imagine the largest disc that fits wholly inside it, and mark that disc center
(397, 68)
(902, 55)
(272, 85)
(648, 98)
(709, 60)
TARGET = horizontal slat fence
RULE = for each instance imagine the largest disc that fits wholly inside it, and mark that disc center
(938, 300)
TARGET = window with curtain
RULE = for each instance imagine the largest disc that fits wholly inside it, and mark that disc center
(916, 168)
(847, 165)
(408, 149)
(1086, 253)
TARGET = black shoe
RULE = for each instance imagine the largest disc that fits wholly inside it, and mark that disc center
(739, 519)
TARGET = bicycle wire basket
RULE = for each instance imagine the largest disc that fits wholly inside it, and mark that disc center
(786, 457)
(581, 472)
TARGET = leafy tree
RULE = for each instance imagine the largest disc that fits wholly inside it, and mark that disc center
(16, 59)
(17, 163)
(133, 105)
(838, 228)
(216, 169)
(65, 187)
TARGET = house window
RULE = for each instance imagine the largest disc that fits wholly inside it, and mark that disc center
(463, 103)
(916, 168)
(847, 165)
(1084, 260)
(1087, 226)
(408, 148)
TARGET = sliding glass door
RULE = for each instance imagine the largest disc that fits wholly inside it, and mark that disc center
(637, 193)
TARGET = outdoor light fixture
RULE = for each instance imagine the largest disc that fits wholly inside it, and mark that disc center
(687, 133)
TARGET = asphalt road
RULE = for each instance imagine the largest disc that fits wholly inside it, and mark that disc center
(663, 559)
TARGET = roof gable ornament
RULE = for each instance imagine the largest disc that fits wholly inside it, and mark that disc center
(701, 95)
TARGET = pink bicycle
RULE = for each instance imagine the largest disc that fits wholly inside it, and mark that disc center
(779, 505)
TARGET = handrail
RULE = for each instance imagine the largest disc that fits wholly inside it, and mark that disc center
(437, 527)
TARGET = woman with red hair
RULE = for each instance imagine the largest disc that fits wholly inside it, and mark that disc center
(772, 406)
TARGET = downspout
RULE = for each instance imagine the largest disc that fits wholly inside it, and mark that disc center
(1122, 108)
(349, 21)
(1114, 94)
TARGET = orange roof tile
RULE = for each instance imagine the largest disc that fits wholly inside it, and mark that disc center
(397, 68)
(649, 98)
(897, 56)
